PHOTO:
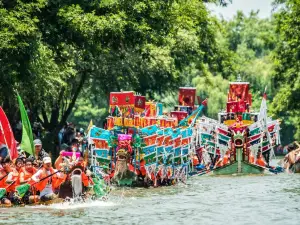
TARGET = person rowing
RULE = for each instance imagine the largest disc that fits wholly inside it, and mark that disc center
(48, 180)
(25, 177)
(9, 178)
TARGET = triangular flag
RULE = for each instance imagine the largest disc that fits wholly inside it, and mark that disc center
(89, 127)
(27, 136)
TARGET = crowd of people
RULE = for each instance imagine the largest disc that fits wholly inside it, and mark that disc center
(37, 172)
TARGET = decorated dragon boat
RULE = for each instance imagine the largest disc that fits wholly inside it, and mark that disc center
(241, 141)
(143, 147)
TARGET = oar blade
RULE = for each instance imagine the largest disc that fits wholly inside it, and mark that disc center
(2, 192)
(22, 189)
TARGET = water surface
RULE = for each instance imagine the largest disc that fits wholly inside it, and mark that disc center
(204, 200)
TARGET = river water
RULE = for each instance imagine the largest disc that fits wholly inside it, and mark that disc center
(272, 199)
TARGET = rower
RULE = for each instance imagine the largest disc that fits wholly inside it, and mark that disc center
(260, 159)
(9, 178)
(25, 176)
(19, 165)
(46, 186)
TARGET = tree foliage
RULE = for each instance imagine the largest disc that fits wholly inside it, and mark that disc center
(287, 65)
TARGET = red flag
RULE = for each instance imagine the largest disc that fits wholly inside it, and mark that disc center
(187, 96)
(204, 102)
(7, 136)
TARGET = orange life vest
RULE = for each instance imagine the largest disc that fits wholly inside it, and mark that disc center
(85, 179)
(195, 161)
(15, 178)
(56, 181)
(142, 168)
(260, 161)
(225, 160)
(251, 158)
(27, 174)
(219, 163)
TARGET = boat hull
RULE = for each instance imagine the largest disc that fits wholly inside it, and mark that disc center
(246, 168)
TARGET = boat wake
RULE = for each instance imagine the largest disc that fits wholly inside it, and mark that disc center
(76, 204)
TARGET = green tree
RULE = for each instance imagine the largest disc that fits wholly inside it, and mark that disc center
(287, 66)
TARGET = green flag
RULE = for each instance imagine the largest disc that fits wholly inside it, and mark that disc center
(27, 137)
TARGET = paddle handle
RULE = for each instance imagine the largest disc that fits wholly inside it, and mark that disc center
(46, 177)
(4, 177)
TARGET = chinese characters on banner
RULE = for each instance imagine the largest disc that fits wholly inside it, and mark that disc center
(187, 96)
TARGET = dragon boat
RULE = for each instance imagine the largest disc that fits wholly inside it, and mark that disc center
(143, 147)
(241, 141)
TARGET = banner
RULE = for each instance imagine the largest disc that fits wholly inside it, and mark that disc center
(118, 121)
(27, 136)
(149, 149)
(160, 140)
(205, 136)
(150, 140)
(177, 142)
(160, 150)
(103, 153)
(224, 138)
(169, 149)
(187, 96)
(232, 107)
(254, 131)
(100, 144)
(128, 122)
(179, 115)
(185, 150)
(167, 141)
(121, 103)
(110, 123)
(177, 151)
(176, 132)
(254, 137)
(238, 91)
(159, 109)
(222, 131)
(139, 103)
(7, 136)
(121, 99)
(185, 141)
(100, 133)
(150, 109)
(150, 159)
(149, 130)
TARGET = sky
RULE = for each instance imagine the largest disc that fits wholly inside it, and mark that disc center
(264, 7)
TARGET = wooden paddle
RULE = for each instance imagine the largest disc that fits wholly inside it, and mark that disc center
(3, 190)
(22, 189)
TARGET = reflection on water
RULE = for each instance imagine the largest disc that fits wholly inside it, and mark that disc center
(204, 200)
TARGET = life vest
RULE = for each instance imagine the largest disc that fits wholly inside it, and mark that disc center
(195, 161)
(15, 178)
(251, 158)
(3, 176)
(84, 179)
(55, 180)
(260, 161)
(27, 174)
(219, 163)
(225, 159)
(142, 168)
